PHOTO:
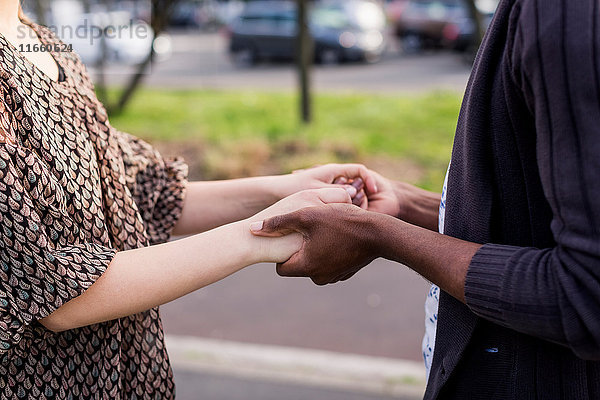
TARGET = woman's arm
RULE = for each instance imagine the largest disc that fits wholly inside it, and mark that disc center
(137, 280)
(214, 203)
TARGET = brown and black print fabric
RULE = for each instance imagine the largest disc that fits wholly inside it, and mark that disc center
(73, 192)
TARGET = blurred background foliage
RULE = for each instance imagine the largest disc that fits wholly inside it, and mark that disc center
(227, 134)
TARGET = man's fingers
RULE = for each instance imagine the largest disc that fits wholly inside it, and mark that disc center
(294, 267)
(358, 184)
(279, 225)
(347, 276)
(358, 200)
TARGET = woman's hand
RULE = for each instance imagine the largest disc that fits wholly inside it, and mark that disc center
(341, 175)
(281, 249)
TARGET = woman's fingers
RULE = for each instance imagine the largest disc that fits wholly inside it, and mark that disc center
(335, 172)
(354, 171)
(335, 195)
(358, 196)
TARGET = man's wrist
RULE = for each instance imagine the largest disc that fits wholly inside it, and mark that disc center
(378, 234)
(373, 229)
(417, 206)
(405, 194)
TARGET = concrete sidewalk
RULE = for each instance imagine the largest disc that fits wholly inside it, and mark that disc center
(208, 369)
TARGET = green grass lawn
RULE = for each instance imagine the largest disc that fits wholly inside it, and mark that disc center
(228, 134)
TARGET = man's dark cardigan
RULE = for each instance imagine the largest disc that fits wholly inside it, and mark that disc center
(525, 178)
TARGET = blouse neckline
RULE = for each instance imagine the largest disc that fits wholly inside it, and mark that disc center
(35, 28)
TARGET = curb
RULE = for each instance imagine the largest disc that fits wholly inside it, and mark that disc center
(375, 375)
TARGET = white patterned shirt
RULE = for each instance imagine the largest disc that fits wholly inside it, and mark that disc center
(433, 297)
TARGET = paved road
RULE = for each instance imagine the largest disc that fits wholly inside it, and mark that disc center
(378, 312)
(200, 60)
(195, 386)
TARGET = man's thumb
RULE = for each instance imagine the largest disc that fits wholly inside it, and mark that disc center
(279, 225)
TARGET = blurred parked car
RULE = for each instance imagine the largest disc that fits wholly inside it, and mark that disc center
(201, 14)
(342, 30)
(394, 10)
(424, 24)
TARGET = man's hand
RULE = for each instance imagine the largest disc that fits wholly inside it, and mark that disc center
(282, 248)
(340, 239)
(385, 200)
(405, 201)
(337, 243)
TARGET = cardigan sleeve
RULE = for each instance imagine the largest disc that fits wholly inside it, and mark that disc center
(157, 184)
(554, 293)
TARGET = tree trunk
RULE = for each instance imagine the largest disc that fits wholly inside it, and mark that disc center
(304, 60)
(477, 20)
(161, 14)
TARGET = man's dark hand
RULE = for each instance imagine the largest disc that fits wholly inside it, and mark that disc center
(337, 241)
(385, 200)
(404, 201)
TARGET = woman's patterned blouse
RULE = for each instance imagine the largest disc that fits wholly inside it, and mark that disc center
(73, 192)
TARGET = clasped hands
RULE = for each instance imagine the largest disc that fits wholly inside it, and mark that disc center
(331, 231)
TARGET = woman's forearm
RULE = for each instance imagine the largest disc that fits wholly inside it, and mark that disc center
(137, 280)
(211, 204)
(214, 203)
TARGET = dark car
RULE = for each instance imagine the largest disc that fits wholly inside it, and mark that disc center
(348, 30)
(460, 33)
(438, 24)
(195, 14)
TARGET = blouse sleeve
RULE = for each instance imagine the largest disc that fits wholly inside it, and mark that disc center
(158, 185)
(39, 269)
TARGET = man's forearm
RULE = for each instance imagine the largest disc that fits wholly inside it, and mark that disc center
(441, 259)
(418, 206)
